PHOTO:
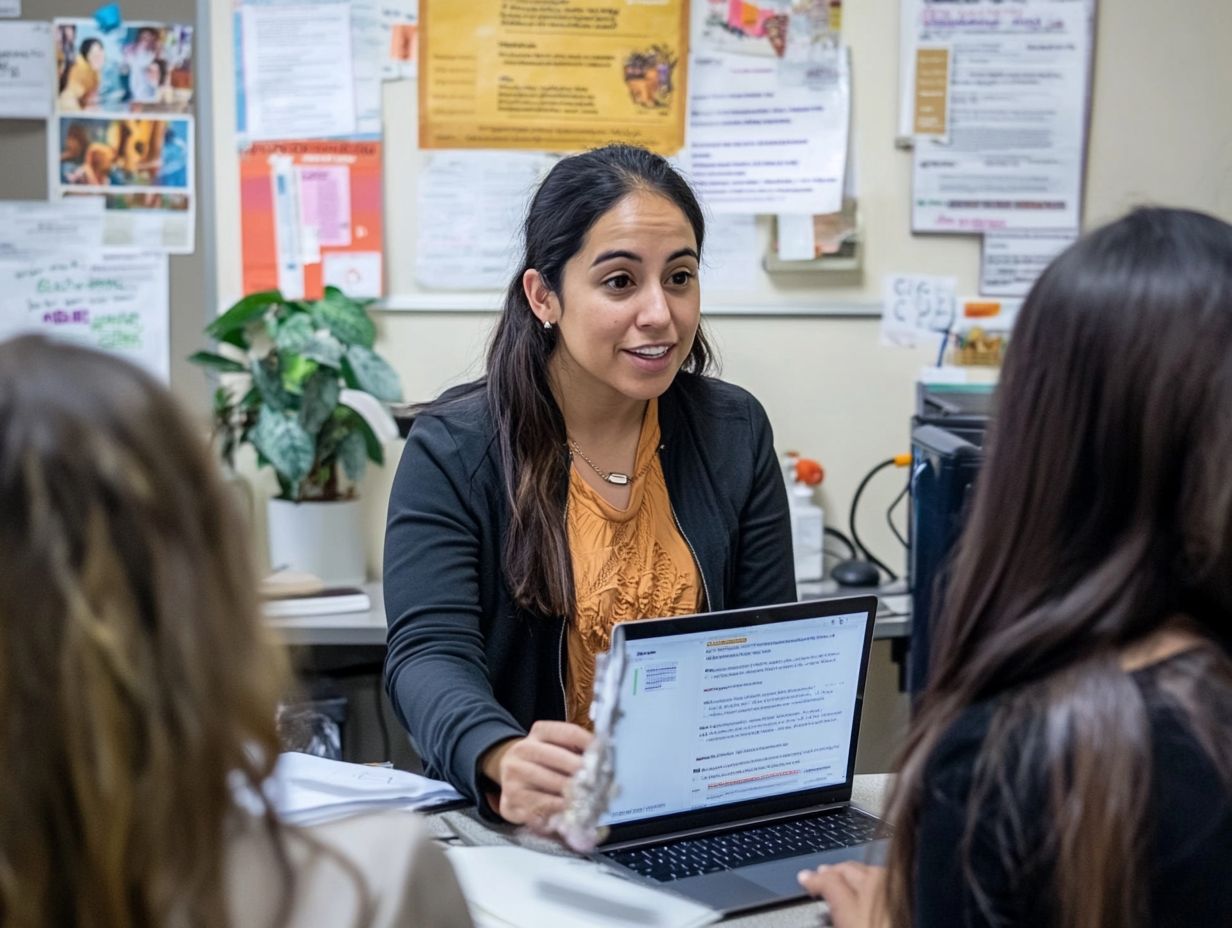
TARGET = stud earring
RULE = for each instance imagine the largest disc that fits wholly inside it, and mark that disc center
(547, 324)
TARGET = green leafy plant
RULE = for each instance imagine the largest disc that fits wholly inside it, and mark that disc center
(300, 382)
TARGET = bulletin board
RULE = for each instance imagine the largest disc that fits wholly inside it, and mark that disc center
(883, 179)
(24, 153)
(883, 189)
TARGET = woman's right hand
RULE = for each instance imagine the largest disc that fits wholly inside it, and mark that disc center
(533, 772)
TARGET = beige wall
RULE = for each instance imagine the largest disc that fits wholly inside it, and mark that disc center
(1161, 132)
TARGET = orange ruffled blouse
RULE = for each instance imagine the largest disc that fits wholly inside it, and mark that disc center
(627, 564)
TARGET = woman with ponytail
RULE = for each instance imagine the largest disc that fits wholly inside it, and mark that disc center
(1071, 760)
(594, 475)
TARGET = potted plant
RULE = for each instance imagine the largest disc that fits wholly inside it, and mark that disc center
(300, 382)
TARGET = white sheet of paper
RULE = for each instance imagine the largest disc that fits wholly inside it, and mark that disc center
(367, 52)
(797, 241)
(1010, 261)
(355, 273)
(914, 306)
(307, 789)
(294, 59)
(469, 213)
(114, 301)
(27, 70)
(10, 8)
(1014, 153)
(45, 227)
(395, 15)
(527, 889)
(731, 258)
(769, 137)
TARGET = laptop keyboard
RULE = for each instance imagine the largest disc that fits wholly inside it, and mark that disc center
(710, 853)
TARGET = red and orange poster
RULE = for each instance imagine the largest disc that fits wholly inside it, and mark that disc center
(311, 217)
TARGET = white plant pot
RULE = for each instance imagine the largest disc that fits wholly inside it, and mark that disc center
(321, 538)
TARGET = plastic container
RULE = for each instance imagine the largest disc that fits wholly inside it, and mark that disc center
(807, 532)
(802, 476)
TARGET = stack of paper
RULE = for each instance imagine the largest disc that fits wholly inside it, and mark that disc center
(512, 886)
(306, 790)
(329, 601)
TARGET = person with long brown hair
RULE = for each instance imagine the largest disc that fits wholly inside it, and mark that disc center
(594, 475)
(1071, 760)
(138, 689)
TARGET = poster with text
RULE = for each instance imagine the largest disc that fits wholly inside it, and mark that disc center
(555, 75)
(311, 217)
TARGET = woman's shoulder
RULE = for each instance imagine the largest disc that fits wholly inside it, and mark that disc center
(376, 869)
(461, 416)
(702, 396)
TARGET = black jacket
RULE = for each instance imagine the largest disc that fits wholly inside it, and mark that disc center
(466, 668)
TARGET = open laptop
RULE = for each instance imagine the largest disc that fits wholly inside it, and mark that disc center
(735, 750)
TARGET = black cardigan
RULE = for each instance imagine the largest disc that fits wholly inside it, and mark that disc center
(466, 668)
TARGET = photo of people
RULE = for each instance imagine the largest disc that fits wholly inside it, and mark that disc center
(147, 153)
(139, 67)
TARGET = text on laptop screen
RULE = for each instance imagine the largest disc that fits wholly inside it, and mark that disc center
(711, 718)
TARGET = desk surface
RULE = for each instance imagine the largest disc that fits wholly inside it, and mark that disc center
(368, 628)
(869, 793)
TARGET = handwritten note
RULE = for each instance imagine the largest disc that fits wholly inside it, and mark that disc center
(914, 306)
(10, 8)
(27, 71)
(115, 301)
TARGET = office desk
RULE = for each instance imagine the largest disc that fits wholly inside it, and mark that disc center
(368, 628)
(869, 793)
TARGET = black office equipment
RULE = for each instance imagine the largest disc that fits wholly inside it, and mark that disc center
(947, 438)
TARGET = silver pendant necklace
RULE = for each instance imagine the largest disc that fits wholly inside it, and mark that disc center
(615, 478)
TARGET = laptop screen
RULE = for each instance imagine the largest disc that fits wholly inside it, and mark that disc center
(728, 715)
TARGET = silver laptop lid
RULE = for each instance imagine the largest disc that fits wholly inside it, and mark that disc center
(736, 715)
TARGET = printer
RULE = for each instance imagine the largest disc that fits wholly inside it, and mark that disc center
(947, 440)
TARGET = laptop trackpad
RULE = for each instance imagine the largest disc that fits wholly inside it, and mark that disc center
(779, 876)
(724, 891)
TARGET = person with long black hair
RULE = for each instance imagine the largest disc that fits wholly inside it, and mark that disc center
(596, 474)
(1071, 760)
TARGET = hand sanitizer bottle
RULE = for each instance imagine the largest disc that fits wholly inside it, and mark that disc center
(807, 519)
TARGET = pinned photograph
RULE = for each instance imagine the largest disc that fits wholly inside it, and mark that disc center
(149, 154)
(140, 67)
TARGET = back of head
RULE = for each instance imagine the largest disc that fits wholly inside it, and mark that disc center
(1103, 512)
(134, 676)
(1105, 505)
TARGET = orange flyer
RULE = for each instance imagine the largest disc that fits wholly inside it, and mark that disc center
(311, 217)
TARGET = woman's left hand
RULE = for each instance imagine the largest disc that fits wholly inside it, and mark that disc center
(854, 891)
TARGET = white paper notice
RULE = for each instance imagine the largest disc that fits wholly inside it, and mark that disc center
(1016, 120)
(400, 38)
(295, 57)
(471, 204)
(10, 8)
(766, 137)
(39, 228)
(27, 70)
(356, 273)
(731, 259)
(797, 241)
(367, 48)
(915, 306)
(1012, 260)
(115, 301)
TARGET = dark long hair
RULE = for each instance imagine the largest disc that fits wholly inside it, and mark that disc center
(530, 430)
(1103, 510)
